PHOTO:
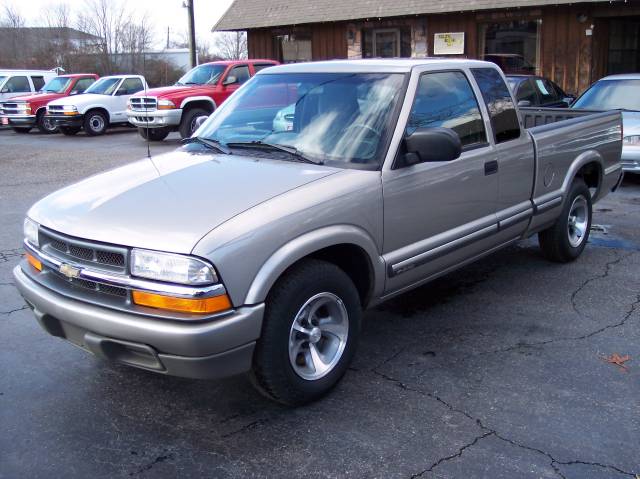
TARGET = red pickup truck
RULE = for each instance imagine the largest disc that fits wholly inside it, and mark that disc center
(24, 112)
(159, 111)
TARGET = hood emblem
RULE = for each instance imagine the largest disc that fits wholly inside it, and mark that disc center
(69, 271)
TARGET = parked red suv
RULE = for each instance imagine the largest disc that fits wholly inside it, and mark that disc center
(24, 112)
(159, 111)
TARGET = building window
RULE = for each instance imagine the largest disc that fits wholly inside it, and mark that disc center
(514, 46)
(624, 46)
(386, 42)
(294, 48)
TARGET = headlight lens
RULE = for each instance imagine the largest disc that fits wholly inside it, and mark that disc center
(166, 105)
(30, 229)
(172, 268)
(632, 140)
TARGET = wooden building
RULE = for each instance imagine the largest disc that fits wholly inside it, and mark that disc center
(573, 43)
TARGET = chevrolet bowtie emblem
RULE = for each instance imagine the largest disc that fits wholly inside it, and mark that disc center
(69, 271)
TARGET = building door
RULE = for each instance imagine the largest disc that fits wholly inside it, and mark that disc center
(624, 46)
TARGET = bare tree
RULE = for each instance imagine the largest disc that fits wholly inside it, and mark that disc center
(11, 17)
(231, 45)
(12, 36)
(57, 15)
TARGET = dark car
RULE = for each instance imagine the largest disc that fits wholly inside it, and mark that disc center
(531, 90)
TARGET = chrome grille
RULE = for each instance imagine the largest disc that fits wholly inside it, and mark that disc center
(54, 108)
(83, 253)
(10, 109)
(144, 103)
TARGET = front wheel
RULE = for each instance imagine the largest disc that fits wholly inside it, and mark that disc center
(189, 121)
(309, 334)
(95, 123)
(566, 239)
(44, 124)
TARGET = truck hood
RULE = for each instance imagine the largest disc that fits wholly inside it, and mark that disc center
(80, 100)
(39, 97)
(171, 201)
(176, 90)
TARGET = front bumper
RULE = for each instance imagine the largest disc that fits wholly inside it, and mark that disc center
(66, 120)
(18, 120)
(155, 118)
(631, 159)
(204, 349)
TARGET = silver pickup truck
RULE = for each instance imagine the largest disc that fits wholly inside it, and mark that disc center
(316, 191)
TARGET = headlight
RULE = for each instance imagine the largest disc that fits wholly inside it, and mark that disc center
(24, 107)
(632, 140)
(172, 268)
(30, 229)
(166, 105)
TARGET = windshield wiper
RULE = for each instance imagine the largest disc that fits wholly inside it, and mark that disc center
(211, 144)
(291, 150)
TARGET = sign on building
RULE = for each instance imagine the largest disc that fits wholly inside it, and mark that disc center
(448, 43)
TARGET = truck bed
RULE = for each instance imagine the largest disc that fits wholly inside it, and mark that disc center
(536, 116)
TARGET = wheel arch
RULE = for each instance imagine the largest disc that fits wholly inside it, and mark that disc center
(589, 167)
(198, 101)
(101, 109)
(348, 247)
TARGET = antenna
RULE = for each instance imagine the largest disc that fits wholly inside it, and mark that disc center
(146, 117)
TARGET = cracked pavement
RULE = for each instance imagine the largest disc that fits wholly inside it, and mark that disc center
(494, 371)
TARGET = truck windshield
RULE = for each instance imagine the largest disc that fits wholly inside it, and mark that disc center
(202, 75)
(342, 119)
(104, 86)
(611, 95)
(57, 85)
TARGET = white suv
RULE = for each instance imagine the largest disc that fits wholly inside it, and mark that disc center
(101, 105)
(21, 82)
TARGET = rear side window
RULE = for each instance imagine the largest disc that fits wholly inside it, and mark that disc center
(546, 90)
(241, 73)
(82, 84)
(38, 83)
(17, 85)
(445, 99)
(261, 66)
(504, 117)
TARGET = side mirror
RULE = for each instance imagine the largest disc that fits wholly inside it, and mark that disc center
(569, 100)
(199, 121)
(230, 80)
(432, 144)
(524, 103)
(5, 90)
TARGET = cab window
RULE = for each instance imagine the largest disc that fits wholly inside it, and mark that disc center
(241, 73)
(130, 86)
(446, 99)
(261, 66)
(17, 85)
(82, 84)
(503, 114)
(38, 82)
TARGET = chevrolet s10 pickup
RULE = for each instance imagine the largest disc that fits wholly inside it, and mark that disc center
(314, 192)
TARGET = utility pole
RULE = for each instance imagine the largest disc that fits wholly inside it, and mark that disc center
(192, 32)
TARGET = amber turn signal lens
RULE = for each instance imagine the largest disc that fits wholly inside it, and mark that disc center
(33, 261)
(214, 304)
(70, 113)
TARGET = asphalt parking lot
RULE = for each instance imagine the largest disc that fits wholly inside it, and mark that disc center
(496, 371)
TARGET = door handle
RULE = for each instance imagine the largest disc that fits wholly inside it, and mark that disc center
(491, 167)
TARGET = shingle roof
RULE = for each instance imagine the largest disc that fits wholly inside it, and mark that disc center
(245, 14)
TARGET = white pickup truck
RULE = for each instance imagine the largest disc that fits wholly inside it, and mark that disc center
(101, 105)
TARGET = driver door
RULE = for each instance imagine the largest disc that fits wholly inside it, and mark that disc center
(438, 214)
(127, 88)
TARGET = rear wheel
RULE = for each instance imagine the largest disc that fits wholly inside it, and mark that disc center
(154, 134)
(22, 129)
(69, 130)
(44, 124)
(309, 334)
(188, 122)
(567, 238)
(95, 123)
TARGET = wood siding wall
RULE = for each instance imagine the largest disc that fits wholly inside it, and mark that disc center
(329, 41)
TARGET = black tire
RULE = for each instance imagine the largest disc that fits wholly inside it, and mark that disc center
(272, 371)
(95, 123)
(21, 129)
(561, 242)
(44, 124)
(69, 130)
(154, 134)
(188, 121)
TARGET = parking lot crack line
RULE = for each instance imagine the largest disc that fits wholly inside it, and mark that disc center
(157, 460)
(453, 456)
(14, 310)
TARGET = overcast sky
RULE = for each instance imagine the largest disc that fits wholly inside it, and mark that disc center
(164, 13)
